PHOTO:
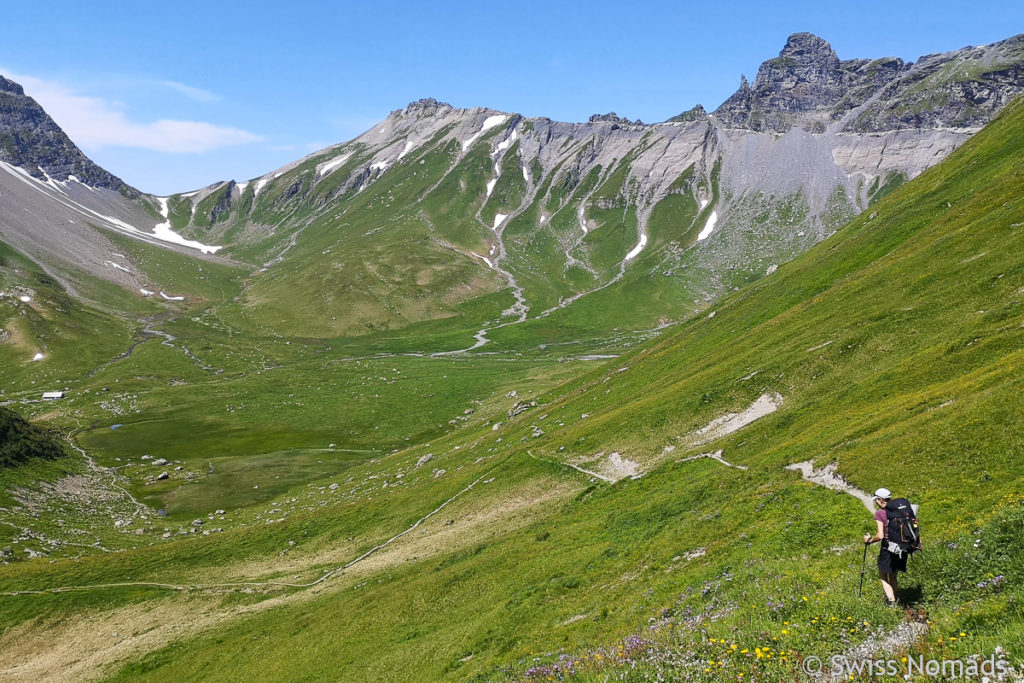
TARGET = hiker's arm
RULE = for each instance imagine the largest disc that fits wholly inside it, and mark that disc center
(879, 534)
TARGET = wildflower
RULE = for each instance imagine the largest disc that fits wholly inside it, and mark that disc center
(962, 634)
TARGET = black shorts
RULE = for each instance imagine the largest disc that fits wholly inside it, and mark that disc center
(890, 563)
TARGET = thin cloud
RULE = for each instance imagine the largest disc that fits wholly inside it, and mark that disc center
(191, 92)
(94, 123)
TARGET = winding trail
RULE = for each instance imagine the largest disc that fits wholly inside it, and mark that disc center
(575, 467)
(140, 508)
(716, 456)
(250, 584)
(827, 477)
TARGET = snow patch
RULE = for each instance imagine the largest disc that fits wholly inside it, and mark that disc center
(171, 298)
(24, 298)
(498, 219)
(483, 258)
(408, 148)
(492, 121)
(116, 265)
(638, 248)
(328, 166)
(163, 232)
(380, 166)
(260, 184)
(489, 122)
(38, 357)
(241, 187)
(146, 292)
(502, 146)
(490, 186)
(708, 227)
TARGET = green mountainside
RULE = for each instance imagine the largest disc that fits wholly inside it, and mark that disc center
(357, 510)
(20, 442)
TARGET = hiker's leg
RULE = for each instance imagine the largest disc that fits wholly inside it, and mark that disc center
(888, 587)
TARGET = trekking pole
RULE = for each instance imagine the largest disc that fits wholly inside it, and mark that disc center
(863, 568)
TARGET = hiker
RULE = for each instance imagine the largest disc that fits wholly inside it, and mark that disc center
(889, 563)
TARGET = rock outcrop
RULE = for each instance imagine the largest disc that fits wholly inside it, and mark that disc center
(807, 86)
(30, 139)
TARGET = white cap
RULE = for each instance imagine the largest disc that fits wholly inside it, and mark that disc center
(883, 493)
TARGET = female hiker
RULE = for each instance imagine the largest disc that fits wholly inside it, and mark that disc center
(889, 563)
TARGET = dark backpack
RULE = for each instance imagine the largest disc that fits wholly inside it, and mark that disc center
(903, 528)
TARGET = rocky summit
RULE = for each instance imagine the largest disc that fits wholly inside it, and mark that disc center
(808, 86)
(30, 139)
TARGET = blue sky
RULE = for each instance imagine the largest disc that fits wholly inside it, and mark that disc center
(174, 96)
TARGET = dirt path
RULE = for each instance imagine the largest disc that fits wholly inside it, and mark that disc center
(94, 644)
(827, 477)
(716, 456)
(614, 467)
(250, 584)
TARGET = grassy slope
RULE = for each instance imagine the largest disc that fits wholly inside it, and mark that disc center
(20, 441)
(896, 345)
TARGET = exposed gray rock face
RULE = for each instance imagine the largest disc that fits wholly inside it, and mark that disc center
(962, 89)
(222, 208)
(29, 138)
(697, 113)
(807, 86)
(612, 117)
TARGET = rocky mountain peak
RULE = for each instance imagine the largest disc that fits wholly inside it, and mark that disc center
(807, 77)
(30, 139)
(809, 48)
(612, 117)
(697, 113)
(10, 86)
(807, 86)
(426, 106)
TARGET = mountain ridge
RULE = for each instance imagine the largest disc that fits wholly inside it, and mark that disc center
(549, 213)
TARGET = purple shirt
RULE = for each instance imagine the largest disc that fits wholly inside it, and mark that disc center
(881, 516)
